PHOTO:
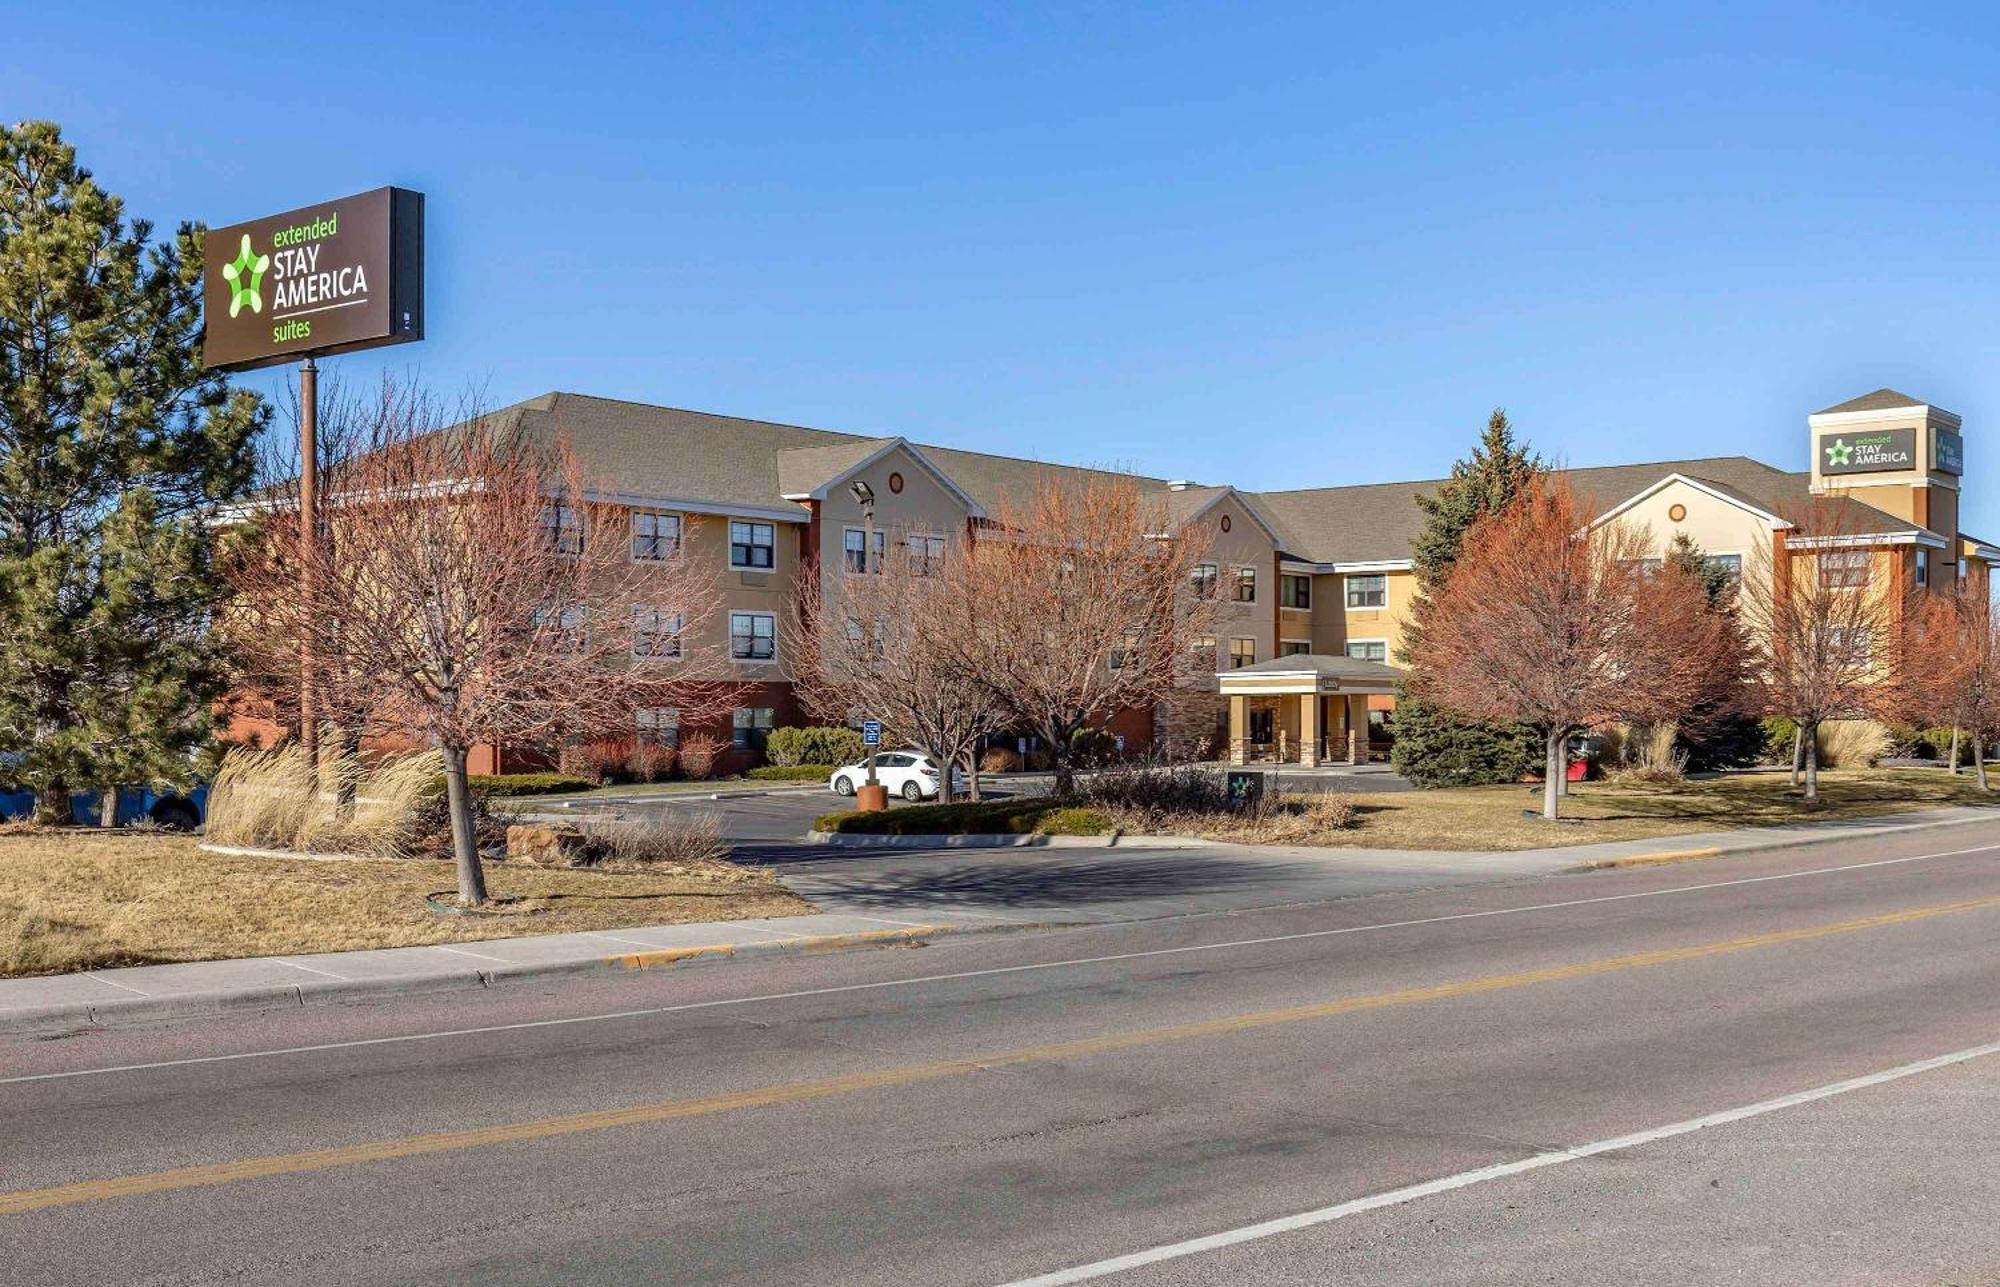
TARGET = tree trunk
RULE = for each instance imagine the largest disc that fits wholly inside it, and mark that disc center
(972, 775)
(1059, 761)
(1812, 763)
(1979, 759)
(1955, 735)
(1552, 773)
(1798, 751)
(464, 843)
(107, 806)
(52, 804)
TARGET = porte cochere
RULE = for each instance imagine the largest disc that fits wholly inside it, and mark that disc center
(1305, 709)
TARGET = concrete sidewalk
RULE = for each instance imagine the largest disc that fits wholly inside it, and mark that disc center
(875, 899)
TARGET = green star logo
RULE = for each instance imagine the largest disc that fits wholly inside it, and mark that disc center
(1839, 453)
(245, 275)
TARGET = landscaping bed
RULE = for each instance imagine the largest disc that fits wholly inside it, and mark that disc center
(1039, 816)
(86, 900)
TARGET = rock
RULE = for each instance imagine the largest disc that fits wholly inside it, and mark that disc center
(547, 844)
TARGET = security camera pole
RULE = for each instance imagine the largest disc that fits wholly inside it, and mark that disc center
(866, 495)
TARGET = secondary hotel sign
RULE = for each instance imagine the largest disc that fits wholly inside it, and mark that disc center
(1873, 451)
(329, 278)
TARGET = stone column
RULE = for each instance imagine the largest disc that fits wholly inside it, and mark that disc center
(1309, 731)
(1239, 727)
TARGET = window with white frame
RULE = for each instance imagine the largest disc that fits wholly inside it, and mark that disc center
(657, 725)
(1368, 591)
(752, 545)
(858, 555)
(1242, 652)
(926, 554)
(562, 529)
(1202, 580)
(656, 537)
(1294, 647)
(1844, 569)
(1203, 645)
(656, 632)
(1923, 572)
(750, 727)
(1850, 645)
(1295, 591)
(1368, 649)
(753, 636)
(569, 621)
(1246, 585)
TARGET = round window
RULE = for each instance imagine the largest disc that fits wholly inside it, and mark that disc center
(1225, 522)
(1677, 512)
(896, 483)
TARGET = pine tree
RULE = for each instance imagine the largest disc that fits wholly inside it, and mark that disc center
(116, 448)
(1433, 747)
(1719, 732)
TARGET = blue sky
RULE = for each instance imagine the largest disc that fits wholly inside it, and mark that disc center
(1276, 245)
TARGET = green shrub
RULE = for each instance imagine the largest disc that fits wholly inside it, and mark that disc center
(986, 818)
(1091, 748)
(814, 744)
(1435, 748)
(792, 772)
(501, 785)
(1779, 735)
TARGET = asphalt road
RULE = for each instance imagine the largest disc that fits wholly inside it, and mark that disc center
(993, 1109)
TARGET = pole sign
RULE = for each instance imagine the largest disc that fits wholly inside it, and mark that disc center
(329, 278)
(1872, 452)
(1949, 456)
(871, 732)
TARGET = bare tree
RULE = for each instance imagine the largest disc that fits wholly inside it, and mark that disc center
(1819, 609)
(1077, 605)
(1569, 627)
(885, 644)
(1947, 667)
(470, 589)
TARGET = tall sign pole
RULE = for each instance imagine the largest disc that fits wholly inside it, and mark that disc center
(331, 278)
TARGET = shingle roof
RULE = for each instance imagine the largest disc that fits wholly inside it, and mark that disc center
(1378, 522)
(801, 470)
(1880, 400)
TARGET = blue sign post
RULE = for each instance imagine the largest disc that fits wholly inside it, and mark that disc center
(871, 732)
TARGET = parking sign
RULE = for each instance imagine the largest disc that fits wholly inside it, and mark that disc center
(871, 732)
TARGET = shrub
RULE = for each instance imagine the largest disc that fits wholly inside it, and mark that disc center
(500, 786)
(1779, 735)
(1653, 755)
(678, 837)
(1435, 748)
(700, 756)
(1730, 741)
(1091, 748)
(1852, 743)
(1073, 820)
(792, 772)
(1176, 789)
(272, 798)
(986, 818)
(650, 762)
(1000, 759)
(814, 744)
(575, 760)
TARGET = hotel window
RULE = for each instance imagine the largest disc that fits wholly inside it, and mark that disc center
(752, 545)
(655, 536)
(750, 726)
(1731, 565)
(1121, 652)
(1242, 652)
(1367, 591)
(1923, 567)
(1295, 591)
(753, 636)
(570, 621)
(657, 725)
(1294, 647)
(926, 554)
(1368, 649)
(1844, 569)
(1246, 585)
(1851, 645)
(562, 529)
(656, 633)
(1203, 580)
(1201, 644)
(857, 552)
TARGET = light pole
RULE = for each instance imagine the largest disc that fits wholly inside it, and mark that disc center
(309, 523)
(865, 494)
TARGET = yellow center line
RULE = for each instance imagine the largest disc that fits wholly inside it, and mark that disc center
(257, 1168)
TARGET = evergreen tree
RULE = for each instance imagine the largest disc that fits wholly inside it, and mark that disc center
(1719, 732)
(116, 448)
(1433, 747)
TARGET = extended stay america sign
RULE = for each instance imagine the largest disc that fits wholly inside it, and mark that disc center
(328, 278)
(1872, 451)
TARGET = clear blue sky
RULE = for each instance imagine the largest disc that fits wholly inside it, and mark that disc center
(1278, 246)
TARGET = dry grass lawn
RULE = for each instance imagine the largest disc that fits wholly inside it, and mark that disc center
(83, 901)
(1488, 818)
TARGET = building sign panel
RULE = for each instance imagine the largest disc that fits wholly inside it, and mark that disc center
(329, 278)
(1949, 455)
(1871, 451)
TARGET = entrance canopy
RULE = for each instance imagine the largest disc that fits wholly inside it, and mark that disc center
(1304, 709)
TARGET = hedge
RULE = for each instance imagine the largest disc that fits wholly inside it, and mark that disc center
(816, 744)
(501, 785)
(987, 818)
(792, 772)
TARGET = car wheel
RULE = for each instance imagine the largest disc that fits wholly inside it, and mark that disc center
(912, 792)
(843, 785)
(176, 815)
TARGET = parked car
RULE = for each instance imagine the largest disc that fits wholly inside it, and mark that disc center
(910, 774)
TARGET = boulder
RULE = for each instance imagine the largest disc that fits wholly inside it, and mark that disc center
(547, 844)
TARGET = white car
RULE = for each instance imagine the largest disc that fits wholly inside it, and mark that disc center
(910, 774)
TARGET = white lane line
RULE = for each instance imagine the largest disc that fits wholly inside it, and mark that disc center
(1465, 1179)
(652, 1011)
(310, 969)
(477, 956)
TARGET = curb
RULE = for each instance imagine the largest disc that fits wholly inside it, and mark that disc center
(862, 840)
(1769, 846)
(293, 996)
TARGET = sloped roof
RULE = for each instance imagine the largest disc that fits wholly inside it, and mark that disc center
(803, 470)
(1379, 522)
(1880, 400)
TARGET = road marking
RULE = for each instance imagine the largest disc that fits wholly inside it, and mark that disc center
(255, 1168)
(1500, 1171)
(957, 975)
